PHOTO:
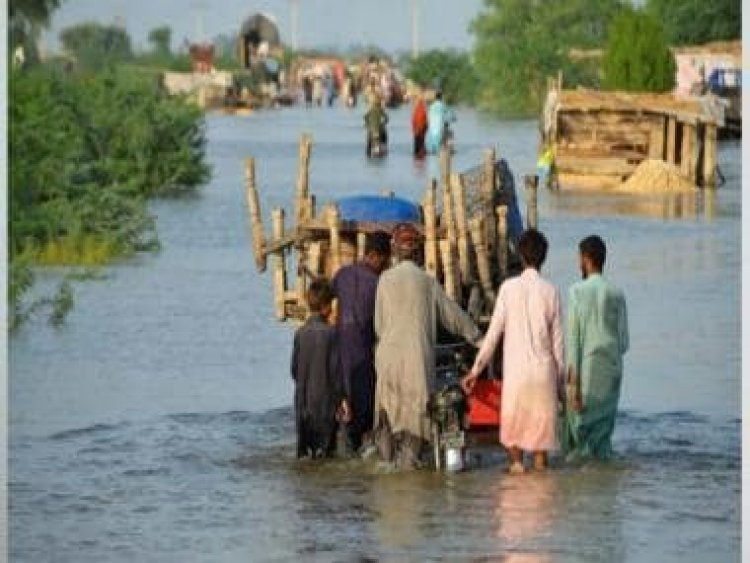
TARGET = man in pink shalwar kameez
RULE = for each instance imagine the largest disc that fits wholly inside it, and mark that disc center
(528, 314)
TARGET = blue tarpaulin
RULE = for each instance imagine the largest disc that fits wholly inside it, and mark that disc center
(369, 208)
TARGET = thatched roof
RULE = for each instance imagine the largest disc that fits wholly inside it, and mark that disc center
(687, 109)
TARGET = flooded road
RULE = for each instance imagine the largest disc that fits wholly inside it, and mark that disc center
(155, 424)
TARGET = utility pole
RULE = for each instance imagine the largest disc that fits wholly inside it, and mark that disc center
(414, 28)
(198, 5)
(295, 24)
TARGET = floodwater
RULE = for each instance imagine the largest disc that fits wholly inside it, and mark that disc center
(155, 424)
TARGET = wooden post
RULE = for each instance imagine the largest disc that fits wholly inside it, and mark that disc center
(483, 258)
(430, 227)
(488, 189)
(686, 163)
(300, 289)
(531, 182)
(279, 271)
(671, 139)
(502, 240)
(313, 258)
(447, 219)
(256, 221)
(694, 148)
(445, 168)
(361, 243)
(459, 203)
(334, 226)
(709, 156)
(309, 212)
(447, 253)
(656, 139)
(303, 179)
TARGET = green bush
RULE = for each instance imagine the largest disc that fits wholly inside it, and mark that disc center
(637, 57)
(86, 152)
(520, 43)
(95, 46)
(452, 69)
(694, 23)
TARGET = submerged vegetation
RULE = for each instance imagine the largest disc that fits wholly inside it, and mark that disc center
(87, 150)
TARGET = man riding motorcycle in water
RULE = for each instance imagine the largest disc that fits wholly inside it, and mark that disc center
(375, 123)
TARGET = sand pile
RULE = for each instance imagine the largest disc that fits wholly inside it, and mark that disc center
(654, 177)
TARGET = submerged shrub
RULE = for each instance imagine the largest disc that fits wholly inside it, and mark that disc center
(86, 152)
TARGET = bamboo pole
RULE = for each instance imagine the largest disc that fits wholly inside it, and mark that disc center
(361, 243)
(279, 272)
(531, 183)
(488, 189)
(447, 254)
(256, 221)
(430, 227)
(445, 168)
(483, 258)
(459, 203)
(448, 220)
(502, 240)
(303, 179)
(309, 212)
(709, 156)
(334, 226)
(313, 258)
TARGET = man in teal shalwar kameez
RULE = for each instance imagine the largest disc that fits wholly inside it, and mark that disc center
(597, 340)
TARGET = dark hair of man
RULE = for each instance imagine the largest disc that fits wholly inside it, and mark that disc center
(594, 248)
(319, 294)
(379, 242)
(532, 247)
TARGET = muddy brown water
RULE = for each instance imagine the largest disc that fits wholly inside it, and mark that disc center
(155, 425)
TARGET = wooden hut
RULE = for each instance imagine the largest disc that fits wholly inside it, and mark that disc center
(463, 219)
(599, 138)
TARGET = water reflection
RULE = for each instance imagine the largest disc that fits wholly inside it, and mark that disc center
(691, 206)
(525, 508)
(400, 502)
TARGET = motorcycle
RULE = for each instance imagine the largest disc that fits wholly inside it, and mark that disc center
(377, 144)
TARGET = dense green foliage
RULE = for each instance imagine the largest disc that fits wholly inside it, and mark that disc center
(696, 22)
(451, 69)
(86, 151)
(95, 46)
(637, 57)
(519, 43)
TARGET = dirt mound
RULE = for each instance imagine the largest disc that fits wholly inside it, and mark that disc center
(654, 177)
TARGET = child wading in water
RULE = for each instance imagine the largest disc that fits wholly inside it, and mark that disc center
(319, 388)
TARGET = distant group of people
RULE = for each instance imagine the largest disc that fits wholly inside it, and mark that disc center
(371, 366)
(430, 126)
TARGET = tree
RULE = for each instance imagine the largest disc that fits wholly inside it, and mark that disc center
(637, 57)
(95, 45)
(26, 19)
(452, 69)
(160, 39)
(519, 43)
(693, 22)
